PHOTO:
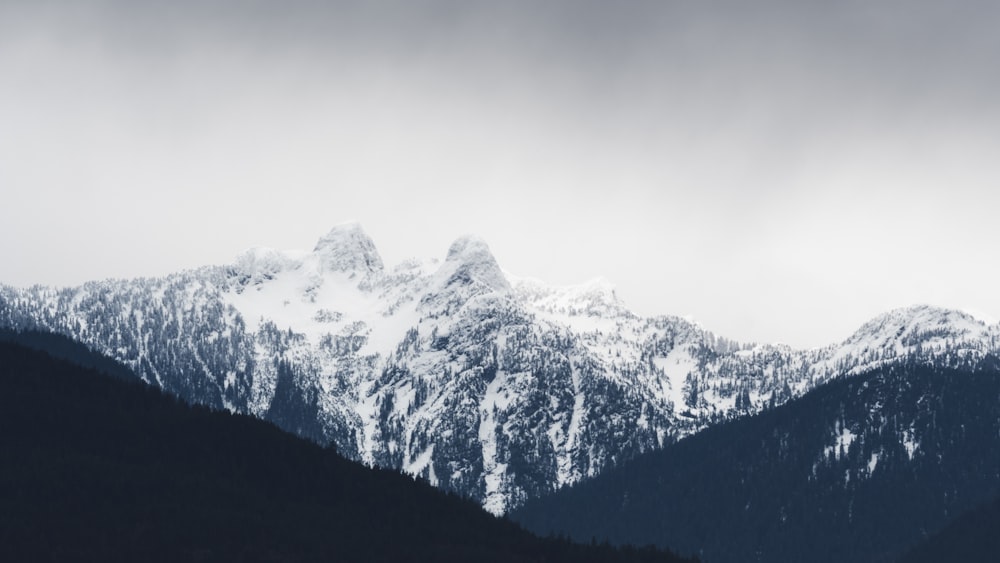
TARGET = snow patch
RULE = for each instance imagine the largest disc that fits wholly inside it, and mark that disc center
(494, 400)
(842, 440)
(422, 462)
(676, 366)
(565, 473)
(909, 441)
(873, 462)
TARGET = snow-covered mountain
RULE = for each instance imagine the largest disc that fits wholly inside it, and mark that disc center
(492, 386)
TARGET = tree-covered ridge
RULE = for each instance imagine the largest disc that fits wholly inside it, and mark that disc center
(857, 470)
(972, 537)
(99, 469)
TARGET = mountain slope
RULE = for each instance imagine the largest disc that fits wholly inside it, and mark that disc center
(971, 538)
(498, 388)
(99, 469)
(857, 470)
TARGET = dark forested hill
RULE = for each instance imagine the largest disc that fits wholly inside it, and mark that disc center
(99, 469)
(974, 537)
(858, 470)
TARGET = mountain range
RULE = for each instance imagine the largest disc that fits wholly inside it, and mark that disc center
(861, 469)
(498, 388)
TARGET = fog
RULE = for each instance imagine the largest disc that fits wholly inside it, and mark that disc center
(779, 172)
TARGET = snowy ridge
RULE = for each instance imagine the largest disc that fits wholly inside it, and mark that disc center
(496, 387)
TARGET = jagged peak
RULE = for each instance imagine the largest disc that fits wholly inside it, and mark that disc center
(347, 248)
(469, 248)
(470, 261)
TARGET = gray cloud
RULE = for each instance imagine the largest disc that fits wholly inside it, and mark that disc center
(758, 165)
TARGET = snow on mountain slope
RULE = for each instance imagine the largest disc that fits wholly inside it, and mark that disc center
(496, 387)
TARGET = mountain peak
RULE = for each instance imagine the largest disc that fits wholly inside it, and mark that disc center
(469, 248)
(347, 248)
(920, 327)
(924, 317)
(470, 262)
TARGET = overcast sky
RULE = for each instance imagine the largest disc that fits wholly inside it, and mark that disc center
(779, 171)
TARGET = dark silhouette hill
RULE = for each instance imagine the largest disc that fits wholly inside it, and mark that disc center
(974, 537)
(100, 469)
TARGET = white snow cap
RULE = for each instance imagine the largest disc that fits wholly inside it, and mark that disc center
(469, 247)
(471, 259)
(908, 320)
(899, 331)
(347, 248)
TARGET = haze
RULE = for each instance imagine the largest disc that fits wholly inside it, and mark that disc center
(780, 171)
